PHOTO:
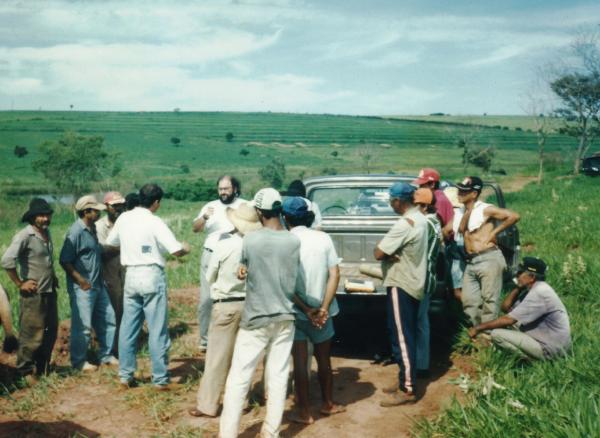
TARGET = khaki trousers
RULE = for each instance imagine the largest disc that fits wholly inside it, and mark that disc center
(38, 327)
(517, 342)
(482, 284)
(224, 324)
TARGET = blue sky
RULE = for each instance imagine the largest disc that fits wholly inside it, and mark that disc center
(343, 57)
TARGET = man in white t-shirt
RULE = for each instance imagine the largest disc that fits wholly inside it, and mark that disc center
(143, 239)
(213, 220)
(315, 304)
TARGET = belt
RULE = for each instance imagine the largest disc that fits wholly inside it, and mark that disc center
(228, 300)
(471, 256)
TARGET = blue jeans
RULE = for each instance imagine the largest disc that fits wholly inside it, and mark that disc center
(90, 309)
(423, 334)
(145, 295)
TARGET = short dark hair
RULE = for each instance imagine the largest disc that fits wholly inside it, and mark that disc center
(81, 213)
(132, 200)
(269, 214)
(235, 183)
(150, 193)
(296, 188)
(295, 221)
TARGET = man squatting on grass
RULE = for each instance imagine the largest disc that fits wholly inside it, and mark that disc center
(112, 271)
(482, 281)
(81, 258)
(315, 304)
(403, 255)
(270, 259)
(32, 250)
(228, 293)
(142, 237)
(535, 310)
(214, 221)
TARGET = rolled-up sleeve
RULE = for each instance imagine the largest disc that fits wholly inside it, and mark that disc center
(529, 310)
(10, 256)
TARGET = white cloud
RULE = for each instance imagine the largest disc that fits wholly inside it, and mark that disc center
(20, 86)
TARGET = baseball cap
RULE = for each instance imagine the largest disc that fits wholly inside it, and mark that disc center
(470, 184)
(423, 196)
(267, 199)
(112, 198)
(426, 175)
(295, 206)
(88, 201)
(532, 264)
(402, 190)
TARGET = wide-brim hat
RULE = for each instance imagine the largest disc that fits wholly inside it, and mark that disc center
(452, 195)
(89, 201)
(244, 218)
(37, 206)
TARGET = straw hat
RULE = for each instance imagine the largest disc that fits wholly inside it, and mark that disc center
(244, 218)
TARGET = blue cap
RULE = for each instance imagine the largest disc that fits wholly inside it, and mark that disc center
(295, 206)
(402, 190)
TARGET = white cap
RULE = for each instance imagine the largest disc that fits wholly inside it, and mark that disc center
(267, 199)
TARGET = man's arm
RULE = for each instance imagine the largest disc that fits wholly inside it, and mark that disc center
(331, 288)
(200, 222)
(183, 251)
(9, 263)
(510, 299)
(28, 286)
(75, 275)
(505, 216)
(503, 321)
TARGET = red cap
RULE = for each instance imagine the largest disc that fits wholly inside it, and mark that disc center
(427, 175)
(114, 198)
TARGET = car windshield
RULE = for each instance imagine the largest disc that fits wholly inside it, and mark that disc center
(353, 201)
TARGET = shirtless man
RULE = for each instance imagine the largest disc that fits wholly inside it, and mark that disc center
(480, 225)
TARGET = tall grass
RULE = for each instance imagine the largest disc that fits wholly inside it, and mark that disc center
(560, 398)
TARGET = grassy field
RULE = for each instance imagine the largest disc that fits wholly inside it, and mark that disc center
(503, 122)
(546, 399)
(305, 144)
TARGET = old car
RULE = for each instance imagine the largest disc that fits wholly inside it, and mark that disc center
(356, 214)
(591, 165)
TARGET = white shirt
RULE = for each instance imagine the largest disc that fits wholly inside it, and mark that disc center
(143, 238)
(223, 268)
(317, 256)
(217, 223)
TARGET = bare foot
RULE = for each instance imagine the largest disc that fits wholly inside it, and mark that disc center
(332, 409)
(298, 418)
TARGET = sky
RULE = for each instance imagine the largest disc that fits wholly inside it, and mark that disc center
(371, 57)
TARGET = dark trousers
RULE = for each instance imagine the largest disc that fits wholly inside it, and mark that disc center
(38, 322)
(402, 312)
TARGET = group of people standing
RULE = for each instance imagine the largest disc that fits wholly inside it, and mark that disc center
(268, 279)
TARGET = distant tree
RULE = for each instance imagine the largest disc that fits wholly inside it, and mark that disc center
(537, 104)
(20, 151)
(273, 173)
(184, 168)
(482, 158)
(244, 152)
(191, 190)
(71, 106)
(329, 171)
(229, 136)
(467, 139)
(365, 152)
(176, 141)
(74, 162)
(334, 154)
(176, 110)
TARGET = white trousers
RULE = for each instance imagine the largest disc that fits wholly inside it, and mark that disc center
(276, 340)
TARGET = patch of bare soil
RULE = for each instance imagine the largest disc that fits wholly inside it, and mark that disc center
(94, 405)
(517, 183)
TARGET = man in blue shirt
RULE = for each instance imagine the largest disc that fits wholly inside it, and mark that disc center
(81, 258)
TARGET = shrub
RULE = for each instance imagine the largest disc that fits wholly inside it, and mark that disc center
(273, 173)
(192, 190)
(244, 152)
(229, 136)
(20, 151)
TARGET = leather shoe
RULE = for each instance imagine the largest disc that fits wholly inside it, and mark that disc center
(196, 413)
(398, 398)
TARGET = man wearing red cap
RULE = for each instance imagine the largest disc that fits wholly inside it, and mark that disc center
(112, 271)
(430, 178)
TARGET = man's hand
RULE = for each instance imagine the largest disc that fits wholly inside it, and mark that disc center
(28, 286)
(209, 212)
(318, 317)
(473, 332)
(242, 272)
(84, 284)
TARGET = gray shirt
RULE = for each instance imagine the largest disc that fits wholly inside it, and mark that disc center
(272, 258)
(544, 317)
(83, 251)
(34, 256)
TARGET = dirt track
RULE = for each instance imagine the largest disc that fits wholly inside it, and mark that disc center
(93, 405)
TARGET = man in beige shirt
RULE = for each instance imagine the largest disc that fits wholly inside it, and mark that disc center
(112, 271)
(228, 293)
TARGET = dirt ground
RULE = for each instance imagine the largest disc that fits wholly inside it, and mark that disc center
(71, 404)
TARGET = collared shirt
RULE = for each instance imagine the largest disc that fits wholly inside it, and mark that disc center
(83, 251)
(544, 317)
(143, 238)
(223, 268)
(34, 256)
(112, 271)
(217, 223)
(408, 242)
(317, 256)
